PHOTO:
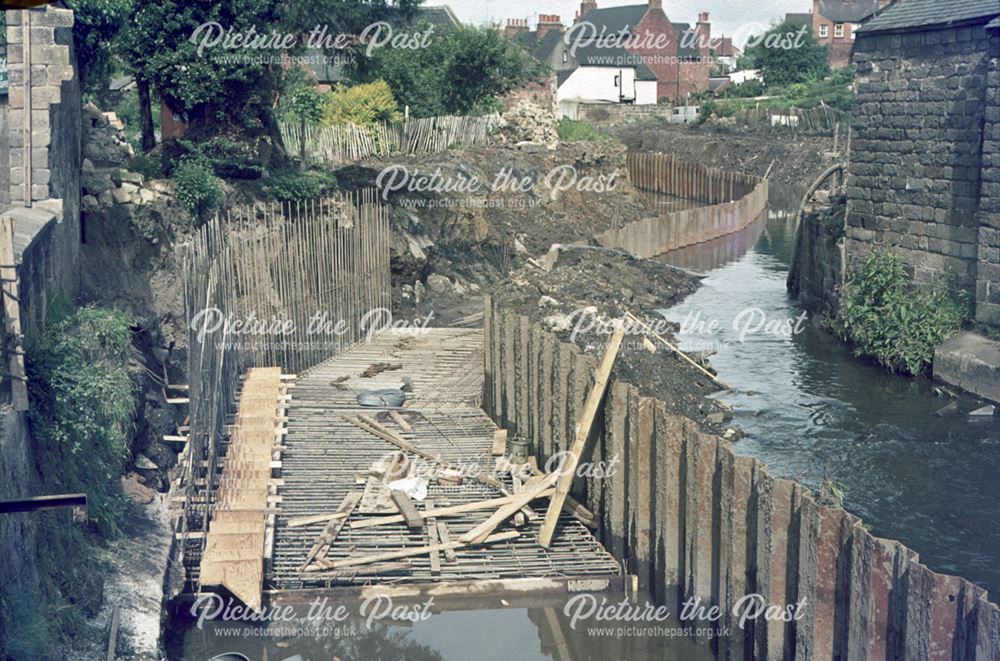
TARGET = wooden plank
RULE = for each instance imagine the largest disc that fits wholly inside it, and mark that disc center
(409, 553)
(452, 510)
(484, 529)
(444, 536)
(409, 511)
(400, 422)
(12, 314)
(315, 518)
(113, 634)
(333, 528)
(499, 443)
(433, 540)
(565, 477)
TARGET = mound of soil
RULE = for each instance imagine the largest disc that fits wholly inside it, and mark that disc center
(589, 287)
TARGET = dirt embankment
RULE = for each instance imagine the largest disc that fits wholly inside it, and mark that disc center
(463, 220)
(797, 159)
(587, 289)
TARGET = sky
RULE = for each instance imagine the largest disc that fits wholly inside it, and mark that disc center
(727, 16)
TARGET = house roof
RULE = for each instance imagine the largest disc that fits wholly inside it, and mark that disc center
(725, 48)
(917, 14)
(540, 49)
(994, 24)
(615, 19)
(440, 16)
(847, 11)
(799, 18)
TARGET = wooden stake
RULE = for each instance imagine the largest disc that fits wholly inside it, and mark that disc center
(568, 469)
(453, 510)
(322, 545)
(409, 511)
(400, 422)
(484, 529)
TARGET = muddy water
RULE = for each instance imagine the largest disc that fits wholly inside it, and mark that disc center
(808, 406)
(483, 629)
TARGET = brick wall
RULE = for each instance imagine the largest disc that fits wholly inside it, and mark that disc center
(913, 179)
(988, 268)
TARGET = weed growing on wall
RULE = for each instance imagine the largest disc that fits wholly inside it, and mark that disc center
(886, 317)
(83, 401)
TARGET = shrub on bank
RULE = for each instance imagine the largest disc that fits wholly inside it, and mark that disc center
(197, 187)
(298, 186)
(888, 318)
(571, 130)
(83, 403)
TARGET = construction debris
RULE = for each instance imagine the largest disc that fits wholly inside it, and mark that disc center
(378, 368)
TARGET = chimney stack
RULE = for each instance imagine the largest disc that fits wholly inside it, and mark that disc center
(656, 4)
(703, 30)
(515, 26)
(547, 23)
(585, 7)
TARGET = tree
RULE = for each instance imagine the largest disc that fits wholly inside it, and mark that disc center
(96, 25)
(457, 73)
(788, 53)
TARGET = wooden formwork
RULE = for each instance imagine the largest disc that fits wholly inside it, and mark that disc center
(240, 523)
(325, 457)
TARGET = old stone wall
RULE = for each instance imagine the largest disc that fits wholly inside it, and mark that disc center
(693, 519)
(914, 175)
(45, 129)
(988, 273)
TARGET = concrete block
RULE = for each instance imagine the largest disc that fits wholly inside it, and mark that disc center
(971, 362)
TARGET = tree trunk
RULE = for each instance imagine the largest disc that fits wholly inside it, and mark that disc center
(145, 115)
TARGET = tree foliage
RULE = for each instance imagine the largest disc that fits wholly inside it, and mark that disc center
(786, 54)
(97, 24)
(368, 103)
(461, 72)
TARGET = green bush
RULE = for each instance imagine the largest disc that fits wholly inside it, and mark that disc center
(83, 404)
(149, 166)
(365, 104)
(886, 317)
(297, 186)
(197, 187)
(571, 130)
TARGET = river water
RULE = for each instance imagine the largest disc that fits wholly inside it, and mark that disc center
(809, 406)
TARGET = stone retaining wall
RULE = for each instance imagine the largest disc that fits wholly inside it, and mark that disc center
(735, 200)
(692, 518)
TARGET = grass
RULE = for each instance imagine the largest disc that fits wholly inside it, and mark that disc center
(571, 130)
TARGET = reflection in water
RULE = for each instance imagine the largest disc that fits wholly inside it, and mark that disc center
(482, 629)
(809, 407)
(703, 257)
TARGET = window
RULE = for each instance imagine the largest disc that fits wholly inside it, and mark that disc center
(853, 28)
(838, 30)
(565, 57)
(618, 81)
(824, 31)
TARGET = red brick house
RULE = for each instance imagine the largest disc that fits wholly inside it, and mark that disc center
(834, 22)
(678, 54)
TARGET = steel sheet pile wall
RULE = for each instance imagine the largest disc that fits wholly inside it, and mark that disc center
(348, 142)
(287, 262)
(735, 200)
(693, 519)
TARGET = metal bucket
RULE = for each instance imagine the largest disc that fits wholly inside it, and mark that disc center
(518, 449)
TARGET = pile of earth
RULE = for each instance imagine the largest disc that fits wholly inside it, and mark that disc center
(462, 220)
(587, 289)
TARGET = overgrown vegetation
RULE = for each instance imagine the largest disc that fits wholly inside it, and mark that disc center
(886, 317)
(198, 188)
(83, 403)
(571, 130)
(459, 73)
(298, 186)
(365, 104)
(787, 53)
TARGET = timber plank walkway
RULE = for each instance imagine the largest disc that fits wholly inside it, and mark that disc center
(325, 457)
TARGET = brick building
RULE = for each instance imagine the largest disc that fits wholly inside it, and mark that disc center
(924, 176)
(834, 23)
(640, 38)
